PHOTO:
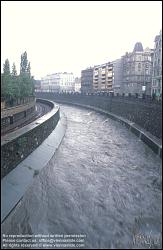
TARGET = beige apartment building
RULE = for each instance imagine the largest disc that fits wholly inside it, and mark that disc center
(103, 76)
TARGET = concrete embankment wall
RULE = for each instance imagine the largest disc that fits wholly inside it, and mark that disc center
(17, 145)
(143, 119)
(146, 114)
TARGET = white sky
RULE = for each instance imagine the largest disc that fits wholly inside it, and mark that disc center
(70, 36)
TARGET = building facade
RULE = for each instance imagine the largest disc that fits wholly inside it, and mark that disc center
(87, 80)
(157, 67)
(137, 71)
(58, 82)
(103, 76)
(37, 85)
(118, 76)
(78, 84)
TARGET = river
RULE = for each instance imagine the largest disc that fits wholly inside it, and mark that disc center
(102, 182)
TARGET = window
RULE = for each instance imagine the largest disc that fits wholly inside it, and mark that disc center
(139, 66)
(146, 66)
(138, 58)
(11, 120)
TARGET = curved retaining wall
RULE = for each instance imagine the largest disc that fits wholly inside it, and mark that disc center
(18, 145)
(152, 141)
(147, 114)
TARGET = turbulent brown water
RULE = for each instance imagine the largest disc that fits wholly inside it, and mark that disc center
(102, 182)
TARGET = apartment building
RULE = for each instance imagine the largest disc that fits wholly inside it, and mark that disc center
(87, 80)
(118, 76)
(58, 82)
(157, 66)
(137, 71)
(78, 84)
(103, 76)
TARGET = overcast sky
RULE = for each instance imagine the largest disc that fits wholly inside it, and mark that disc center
(70, 36)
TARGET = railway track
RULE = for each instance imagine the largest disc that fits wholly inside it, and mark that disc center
(41, 109)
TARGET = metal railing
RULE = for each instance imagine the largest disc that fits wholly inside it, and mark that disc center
(132, 97)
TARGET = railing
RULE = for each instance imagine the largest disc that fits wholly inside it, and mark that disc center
(135, 97)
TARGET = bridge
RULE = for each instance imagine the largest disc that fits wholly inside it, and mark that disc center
(103, 182)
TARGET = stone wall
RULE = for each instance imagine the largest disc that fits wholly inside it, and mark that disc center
(19, 144)
(146, 113)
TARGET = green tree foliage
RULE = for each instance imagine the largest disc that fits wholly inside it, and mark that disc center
(29, 69)
(14, 72)
(6, 67)
(24, 63)
(6, 79)
(26, 81)
(15, 82)
(13, 85)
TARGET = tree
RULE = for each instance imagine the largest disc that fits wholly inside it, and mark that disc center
(6, 79)
(9, 83)
(29, 69)
(14, 72)
(6, 67)
(23, 63)
(33, 85)
(3, 86)
(26, 81)
(15, 82)
(14, 86)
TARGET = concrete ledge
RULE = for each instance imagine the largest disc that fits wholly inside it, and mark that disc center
(17, 145)
(150, 140)
(15, 184)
